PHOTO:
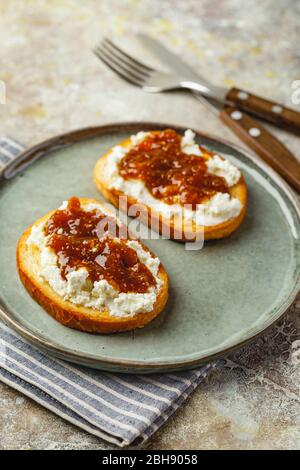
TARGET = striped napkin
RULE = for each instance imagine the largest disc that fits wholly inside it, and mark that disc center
(122, 409)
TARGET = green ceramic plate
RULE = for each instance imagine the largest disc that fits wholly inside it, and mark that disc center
(221, 297)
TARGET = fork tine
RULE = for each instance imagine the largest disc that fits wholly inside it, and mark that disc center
(138, 79)
(113, 66)
(130, 59)
(122, 59)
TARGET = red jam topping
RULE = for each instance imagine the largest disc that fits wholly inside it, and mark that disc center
(168, 173)
(77, 244)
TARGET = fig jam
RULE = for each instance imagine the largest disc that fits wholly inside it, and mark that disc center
(168, 173)
(77, 242)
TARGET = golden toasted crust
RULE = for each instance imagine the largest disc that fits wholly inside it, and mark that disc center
(149, 215)
(69, 314)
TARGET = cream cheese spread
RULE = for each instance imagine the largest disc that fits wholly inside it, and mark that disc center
(100, 295)
(218, 209)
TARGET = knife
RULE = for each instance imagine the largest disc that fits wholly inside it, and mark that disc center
(232, 104)
(271, 111)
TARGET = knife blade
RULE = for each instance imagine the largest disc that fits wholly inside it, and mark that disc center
(269, 110)
(251, 132)
(175, 63)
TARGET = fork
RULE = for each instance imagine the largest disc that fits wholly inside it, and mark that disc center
(250, 131)
(141, 75)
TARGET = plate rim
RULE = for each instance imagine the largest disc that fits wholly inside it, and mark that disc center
(34, 153)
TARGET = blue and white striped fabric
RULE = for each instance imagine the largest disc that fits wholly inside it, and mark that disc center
(9, 149)
(120, 408)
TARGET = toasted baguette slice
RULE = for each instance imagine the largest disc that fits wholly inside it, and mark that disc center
(156, 219)
(72, 315)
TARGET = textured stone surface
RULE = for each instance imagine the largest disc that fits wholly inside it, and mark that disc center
(54, 84)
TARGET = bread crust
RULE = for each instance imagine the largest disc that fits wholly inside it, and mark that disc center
(164, 225)
(75, 316)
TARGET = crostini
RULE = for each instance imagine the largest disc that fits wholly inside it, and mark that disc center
(175, 185)
(81, 264)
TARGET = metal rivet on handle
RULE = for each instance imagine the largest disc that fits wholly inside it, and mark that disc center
(277, 109)
(254, 132)
(236, 115)
(242, 95)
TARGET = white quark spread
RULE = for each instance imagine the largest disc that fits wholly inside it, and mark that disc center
(219, 208)
(79, 290)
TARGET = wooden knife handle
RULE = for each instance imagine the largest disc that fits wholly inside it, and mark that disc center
(269, 110)
(266, 145)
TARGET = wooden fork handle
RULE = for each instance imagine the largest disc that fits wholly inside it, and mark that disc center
(269, 110)
(265, 144)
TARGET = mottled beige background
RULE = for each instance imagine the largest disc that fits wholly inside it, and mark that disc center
(54, 84)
